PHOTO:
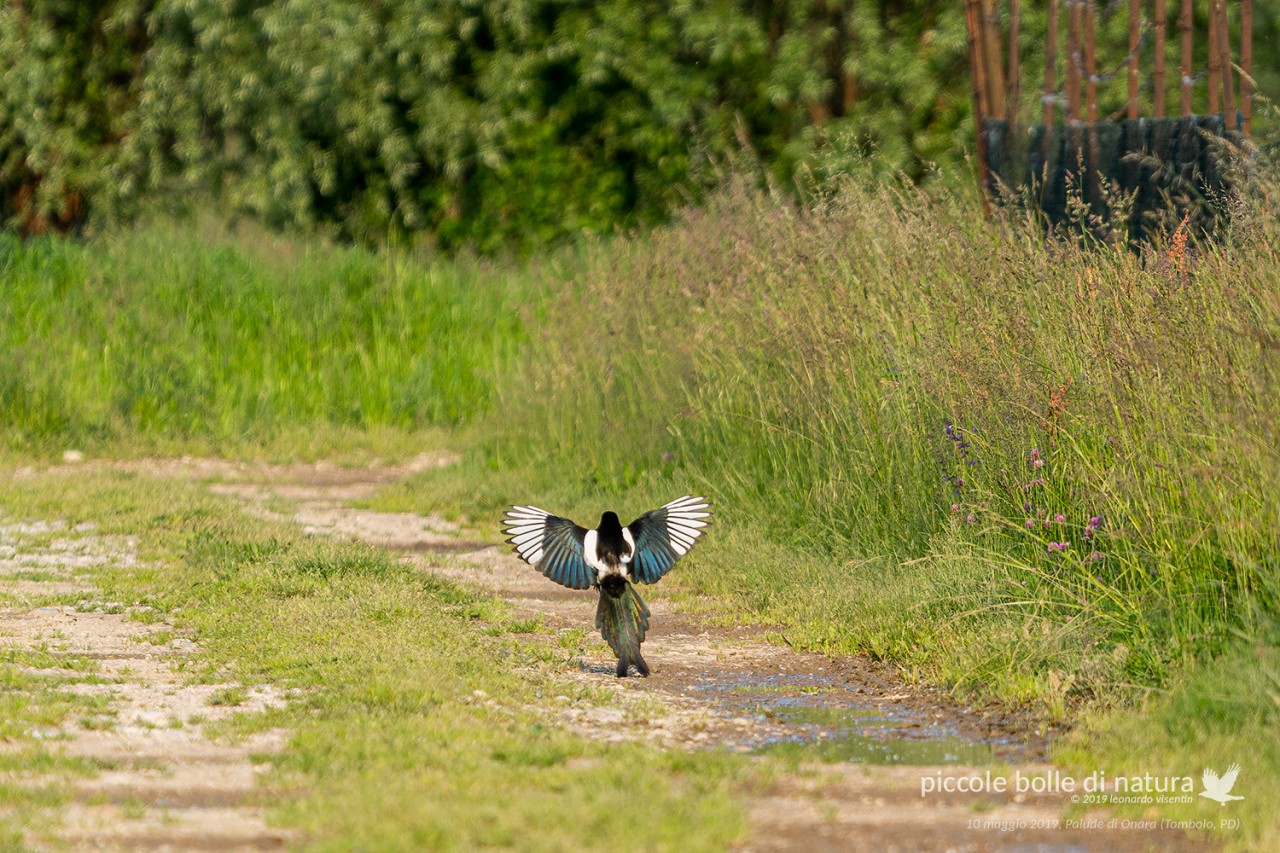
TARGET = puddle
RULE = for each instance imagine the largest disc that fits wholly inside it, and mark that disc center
(863, 736)
(821, 718)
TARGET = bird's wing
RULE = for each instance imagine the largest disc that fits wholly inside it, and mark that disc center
(551, 544)
(664, 535)
(1228, 779)
(1210, 780)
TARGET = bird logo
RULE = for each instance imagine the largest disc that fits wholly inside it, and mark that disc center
(1219, 787)
(611, 558)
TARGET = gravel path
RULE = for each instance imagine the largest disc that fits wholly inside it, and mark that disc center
(165, 785)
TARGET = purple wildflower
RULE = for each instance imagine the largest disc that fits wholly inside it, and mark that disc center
(1058, 546)
(1026, 506)
(969, 518)
(955, 508)
(1031, 524)
(1059, 518)
(1037, 463)
(668, 456)
(1095, 521)
(956, 434)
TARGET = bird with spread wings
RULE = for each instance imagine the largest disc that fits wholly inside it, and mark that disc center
(612, 559)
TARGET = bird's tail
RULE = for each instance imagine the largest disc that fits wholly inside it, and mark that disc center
(622, 621)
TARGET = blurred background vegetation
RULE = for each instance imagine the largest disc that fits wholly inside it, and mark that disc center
(486, 125)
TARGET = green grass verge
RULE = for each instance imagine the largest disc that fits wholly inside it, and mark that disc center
(1213, 716)
(170, 340)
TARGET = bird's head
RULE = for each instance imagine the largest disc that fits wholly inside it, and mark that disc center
(609, 522)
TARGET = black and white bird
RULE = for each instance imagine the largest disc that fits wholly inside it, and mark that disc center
(611, 558)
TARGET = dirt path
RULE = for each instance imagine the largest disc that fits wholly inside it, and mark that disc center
(712, 687)
(164, 785)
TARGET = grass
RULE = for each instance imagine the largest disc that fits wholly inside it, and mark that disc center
(1213, 716)
(1029, 469)
(175, 341)
(33, 707)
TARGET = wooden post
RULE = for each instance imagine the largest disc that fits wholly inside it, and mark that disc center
(991, 52)
(1011, 103)
(1219, 9)
(1157, 75)
(1135, 25)
(1075, 13)
(1090, 59)
(1215, 61)
(1184, 29)
(978, 83)
(1092, 178)
(1050, 63)
(1049, 98)
(1246, 66)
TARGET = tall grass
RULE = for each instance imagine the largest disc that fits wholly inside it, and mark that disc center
(164, 335)
(969, 430)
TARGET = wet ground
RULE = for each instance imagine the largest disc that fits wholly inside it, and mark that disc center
(862, 741)
(825, 719)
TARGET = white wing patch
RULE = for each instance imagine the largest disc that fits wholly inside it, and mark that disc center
(686, 517)
(525, 526)
(589, 543)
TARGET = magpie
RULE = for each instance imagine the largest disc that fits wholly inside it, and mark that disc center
(610, 558)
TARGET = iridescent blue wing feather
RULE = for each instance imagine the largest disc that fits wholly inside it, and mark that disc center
(666, 534)
(549, 543)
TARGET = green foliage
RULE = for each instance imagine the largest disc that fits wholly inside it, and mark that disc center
(489, 125)
(497, 126)
(67, 91)
(485, 124)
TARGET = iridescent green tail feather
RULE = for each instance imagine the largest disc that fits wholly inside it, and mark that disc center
(623, 621)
